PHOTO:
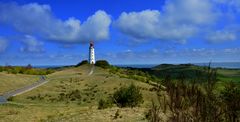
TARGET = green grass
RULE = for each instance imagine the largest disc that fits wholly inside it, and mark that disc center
(229, 75)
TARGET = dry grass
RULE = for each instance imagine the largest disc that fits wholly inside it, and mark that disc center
(10, 82)
(71, 113)
(99, 85)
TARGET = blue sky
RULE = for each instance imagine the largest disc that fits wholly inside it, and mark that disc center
(125, 32)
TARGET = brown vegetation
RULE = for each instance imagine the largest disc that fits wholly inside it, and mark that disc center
(197, 102)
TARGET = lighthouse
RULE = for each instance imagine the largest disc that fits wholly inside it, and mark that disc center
(91, 53)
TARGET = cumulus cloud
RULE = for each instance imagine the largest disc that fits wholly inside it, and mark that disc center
(3, 44)
(177, 22)
(36, 19)
(232, 51)
(31, 44)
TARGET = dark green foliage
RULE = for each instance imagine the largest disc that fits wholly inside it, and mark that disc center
(188, 70)
(36, 97)
(132, 73)
(102, 63)
(29, 66)
(10, 99)
(171, 66)
(1, 69)
(82, 63)
(161, 71)
(26, 70)
(102, 104)
(128, 96)
(231, 98)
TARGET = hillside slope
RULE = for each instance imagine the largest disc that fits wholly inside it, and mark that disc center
(190, 71)
(48, 104)
(10, 82)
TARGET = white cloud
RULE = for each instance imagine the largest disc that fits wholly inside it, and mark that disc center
(3, 44)
(232, 50)
(36, 19)
(221, 36)
(177, 22)
(31, 44)
(189, 11)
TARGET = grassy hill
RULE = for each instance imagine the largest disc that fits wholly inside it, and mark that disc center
(190, 71)
(198, 73)
(46, 102)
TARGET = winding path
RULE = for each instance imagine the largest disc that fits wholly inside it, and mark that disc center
(5, 96)
(91, 70)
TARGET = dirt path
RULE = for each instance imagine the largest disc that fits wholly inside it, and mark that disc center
(91, 71)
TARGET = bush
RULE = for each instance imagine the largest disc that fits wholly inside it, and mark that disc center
(1, 69)
(231, 99)
(10, 99)
(153, 115)
(82, 63)
(102, 104)
(102, 63)
(73, 95)
(128, 96)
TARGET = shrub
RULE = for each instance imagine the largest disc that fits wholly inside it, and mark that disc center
(117, 114)
(72, 96)
(128, 96)
(82, 63)
(153, 115)
(31, 97)
(1, 69)
(231, 99)
(10, 99)
(102, 104)
(102, 63)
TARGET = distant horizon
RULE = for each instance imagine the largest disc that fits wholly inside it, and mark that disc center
(34, 65)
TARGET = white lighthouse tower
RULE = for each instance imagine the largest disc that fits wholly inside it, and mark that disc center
(91, 53)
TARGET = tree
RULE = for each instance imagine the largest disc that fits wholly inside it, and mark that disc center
(130, 96)
(82, 63)
(29, 66)
(102, 63)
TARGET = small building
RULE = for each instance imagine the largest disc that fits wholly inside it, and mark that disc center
(91, 53)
